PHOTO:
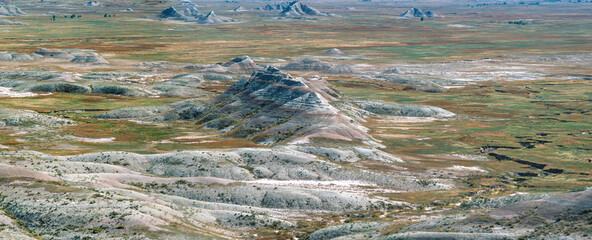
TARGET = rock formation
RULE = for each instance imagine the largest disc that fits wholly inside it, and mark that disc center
(242, 64)
(334, 51)
(88, 58)
(93, 4)
(297, 9)
(192, 11)
(192, 14)
(272, 106)
(418, 13)
(392, 70)
(10, 10)
(7, 56)
(54, 53)
(12, 118)
(171, 12)
(239, 9)
(212, 18)
(269, 7)
(405, 110)
(307, 64)
(294, 9)
(341, 69)
(8, 22)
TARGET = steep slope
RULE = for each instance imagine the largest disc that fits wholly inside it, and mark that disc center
(272, 106)
(242, 64)
(10, 10)
(192, 14)
(192, 11)
(418, 13)
(172, 13)
(212, 18)
(296, 9)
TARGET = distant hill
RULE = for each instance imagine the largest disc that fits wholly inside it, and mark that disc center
(192, 14)
(418, 13)
(10, 10)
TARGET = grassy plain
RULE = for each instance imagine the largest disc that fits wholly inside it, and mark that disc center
(518, 126)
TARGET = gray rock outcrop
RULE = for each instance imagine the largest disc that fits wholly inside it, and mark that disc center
(406, 110)
(10, 10)
(171, 13)
(54, 53)
(4, 22)
(88, 58)
(334, 51)
(242, 64)
(418, 13)
(274, 106)
(307, 64)
(296, 9)
(192, 14)
(342, 69)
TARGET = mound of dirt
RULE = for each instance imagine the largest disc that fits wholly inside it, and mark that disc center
(242, 64)
(179, 91)
(57, 87)
(20, 118)
(342, 69)
(6, 56)
(239, 9)
(183, 110)
(192, 11)
(217, 77)
(11, 76)
(133, 112)
(405, 110)
(391, 71)
(8, 22)
(334, 51)
(307, 64)
(119, 90)
(88, 58)
(54, 53)
(8, 171)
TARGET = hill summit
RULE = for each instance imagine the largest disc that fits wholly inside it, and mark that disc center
(418, 13)
(192, 14)
(271, 106)
(10, 10)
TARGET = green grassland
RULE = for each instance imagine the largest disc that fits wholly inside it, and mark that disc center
(138, 36)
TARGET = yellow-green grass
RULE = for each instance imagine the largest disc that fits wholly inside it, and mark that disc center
(374, 32)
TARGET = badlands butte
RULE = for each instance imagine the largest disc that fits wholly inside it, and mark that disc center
(379, 119)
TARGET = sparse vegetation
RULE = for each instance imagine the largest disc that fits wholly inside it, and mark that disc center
(122, 124)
